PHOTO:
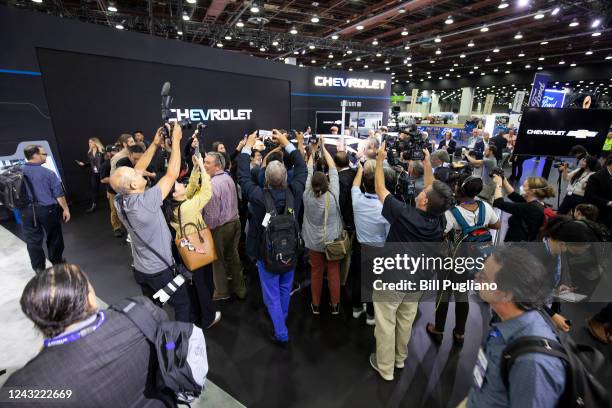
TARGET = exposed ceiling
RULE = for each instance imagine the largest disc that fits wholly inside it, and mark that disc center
(413, 40)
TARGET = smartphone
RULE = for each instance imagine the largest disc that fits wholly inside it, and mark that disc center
(264, 134)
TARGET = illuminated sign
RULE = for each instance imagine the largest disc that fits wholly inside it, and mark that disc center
(578, 134)
(205, 115)
(350, 82)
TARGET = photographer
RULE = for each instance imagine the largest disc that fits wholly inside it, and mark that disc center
(140, 211)
(487, 164)
(423, 223)
(578, 178)
(526, 209)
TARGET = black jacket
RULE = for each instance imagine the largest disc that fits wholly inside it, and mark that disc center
(526, 219)
(452, 145)
(598, 192)
(346, 178)
(254, 194)
(500, 144)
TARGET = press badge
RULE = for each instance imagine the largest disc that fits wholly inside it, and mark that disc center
(266, 220)
(480, 368)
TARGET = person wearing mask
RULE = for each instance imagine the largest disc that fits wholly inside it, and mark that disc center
(526, 208)
(86, 347)
(466, 191)
(535, 379)
(111, 151)
(486, 164)
(140, 211)
(346, 175)
(221, 216)
(371, 230)
(599, 192)
(139, 137)
(95, 157)
(275, 288)
(124, 142)
(500, 143)
(448, 143)
(423, 223)
(577, 179)
(184, 213)
(42, 217)
(322, 223)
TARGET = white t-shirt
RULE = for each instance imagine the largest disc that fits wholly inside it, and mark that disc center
(470, 217)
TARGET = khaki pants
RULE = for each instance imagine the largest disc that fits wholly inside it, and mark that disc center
(114, 219)
(394, 320)
(227, 237)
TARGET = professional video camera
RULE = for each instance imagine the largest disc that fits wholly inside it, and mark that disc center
(497, 171)
(166, 101)
(415, 144)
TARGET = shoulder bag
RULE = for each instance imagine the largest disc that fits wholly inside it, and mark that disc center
(338, 249)
(196, 249)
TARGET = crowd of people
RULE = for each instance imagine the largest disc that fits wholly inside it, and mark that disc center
(300, 209)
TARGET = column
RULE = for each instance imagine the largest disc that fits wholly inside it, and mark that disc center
(467, 100)
(435, 103)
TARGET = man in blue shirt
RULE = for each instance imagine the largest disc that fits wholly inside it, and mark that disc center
(43, 216)
(535, 379)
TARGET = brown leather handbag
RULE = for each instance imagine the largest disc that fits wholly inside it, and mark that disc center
(196, 249)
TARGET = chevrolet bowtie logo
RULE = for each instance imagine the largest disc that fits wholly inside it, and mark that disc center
(581, 133)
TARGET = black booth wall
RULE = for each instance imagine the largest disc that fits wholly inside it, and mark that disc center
(26, 111)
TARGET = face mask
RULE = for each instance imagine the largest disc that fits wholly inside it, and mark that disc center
(522, 190)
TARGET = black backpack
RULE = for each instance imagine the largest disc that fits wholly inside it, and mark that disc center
(280, 244)
(180, 350)
(14, 186)
(581, 388)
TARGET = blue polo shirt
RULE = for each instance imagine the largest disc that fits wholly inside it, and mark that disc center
(535, 380)
(47, 186)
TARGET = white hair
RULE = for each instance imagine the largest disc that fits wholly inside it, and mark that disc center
(276, 175)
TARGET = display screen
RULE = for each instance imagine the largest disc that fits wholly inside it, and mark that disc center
(553, 132)
(94, 96)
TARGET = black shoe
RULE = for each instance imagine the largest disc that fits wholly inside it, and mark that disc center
(437, 337)
(277, 342)
(118, 233)
(458, 338)
(91, 209)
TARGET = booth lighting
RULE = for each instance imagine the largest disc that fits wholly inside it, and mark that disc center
(358, 59)
(387, 68)
(311, 47)
(432, 61)
(406, 47)
(507, 72)
(462, 56)
(540, 68)
(487, 59)
(228, 37)
(365, 66)
(455, 65)
(263, 49)
(484, 29)
(349, 52)
(573, 64)
(314, 19)
(508, 62)
(330, 55)
(471, 72)
(179, 32)
(386, 61)
(338, 63)
(378, 54)
(313, 61)
(521, 54)
(111, 8)
(449, 20)
(495, 70)
(503, 5)
(527, 66)
(541, 59)
(452, 70)
(351, 69)
(561, 62)
(275, 43)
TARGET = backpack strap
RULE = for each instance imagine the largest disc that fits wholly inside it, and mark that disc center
(139, 315)
(460, 220)
(481, 214)
(269, 202)
(526, 345)
(289, 202)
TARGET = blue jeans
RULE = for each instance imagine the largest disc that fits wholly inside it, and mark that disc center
(276, 291)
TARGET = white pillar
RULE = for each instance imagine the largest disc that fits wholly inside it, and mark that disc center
(435, 103)
(467, 100)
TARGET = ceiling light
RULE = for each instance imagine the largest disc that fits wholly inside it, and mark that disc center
(487, 59)
(503, 5)
(330, 55)
(507, 72)
(275, 43)
(359, 27)
(432, 61)
(386, 61)
(110, 8)
(452, 70)
(561, 62)
(495, 70)
(296, 52)
(314, 19)
(406, 47)
(338, 63)
(401, 11)
(555, 11)
(521, 54)
(313, 61)
(334, 37)
(596, 34)
(118, 26)
(239, 24)
(228, 37)
(518, 36)
(437, 39)
(350, 69)
(254, 8)
(404, 32)
(595, 23)
(179, 32)
(365, 66)
(471, 44)
(449, 20)
(378, 54)
(544, 43)
(508, 62)
(527, 66)
(349, 52)
(574, 23)
(220, 45)
(522, 3)
(539, 15)
(438, 52)
(387, 68)
(573, 64)
(358, 59)
(471, 72)
(185, 16)
(375, 42)
(608, 57)
(495, 49)
(263, 49)
(589, 52)
(462, 56)
(541, 59)
(455, 65)
(293, 31)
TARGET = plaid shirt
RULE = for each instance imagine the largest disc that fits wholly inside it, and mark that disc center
(223, 205)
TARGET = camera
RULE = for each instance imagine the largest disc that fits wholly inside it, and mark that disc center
(414, 145)
(497, 171)
(166, 101)
(559, 163)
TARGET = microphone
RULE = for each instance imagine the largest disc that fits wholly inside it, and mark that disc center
(166, 99)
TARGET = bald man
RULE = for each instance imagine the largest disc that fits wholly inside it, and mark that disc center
(140, 211)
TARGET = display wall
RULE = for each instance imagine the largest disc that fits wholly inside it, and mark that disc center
(40, 96)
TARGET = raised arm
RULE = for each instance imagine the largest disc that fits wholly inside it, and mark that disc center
(357, 179)
(250, 190)
(379, 174)
(328, 158)
(174, 163)
(428, 176)
(146, 158)
(205, 193)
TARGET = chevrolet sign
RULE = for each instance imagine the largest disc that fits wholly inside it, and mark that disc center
(205, 115)
(350, 82)
(579, 134)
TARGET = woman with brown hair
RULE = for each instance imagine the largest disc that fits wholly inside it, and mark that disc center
(322, 223)
(95, 157)
(526, 208)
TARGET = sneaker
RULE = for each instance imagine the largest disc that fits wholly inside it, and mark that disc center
(335, 309)
(375, 367)
(217, 320)
(358, 311)
(128, 239)
(315, 309)
(295, 288)
(370, 320)
(221, 297)
(399, 365)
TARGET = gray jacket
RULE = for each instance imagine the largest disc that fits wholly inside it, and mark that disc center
(314, 212)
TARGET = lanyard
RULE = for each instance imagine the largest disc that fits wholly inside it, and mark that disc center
(70, 337)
